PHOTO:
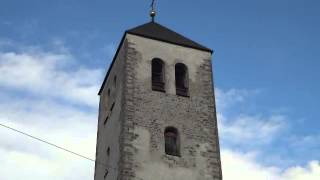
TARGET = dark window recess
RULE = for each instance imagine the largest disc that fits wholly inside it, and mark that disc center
(115, 81)
(171, 141)
(158, 75)
(106, 174)
(108, 92)
(112, 106)
(106, 120)
(108, 151)
(181, 74)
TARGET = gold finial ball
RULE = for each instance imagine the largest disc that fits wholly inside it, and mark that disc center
(153, 13)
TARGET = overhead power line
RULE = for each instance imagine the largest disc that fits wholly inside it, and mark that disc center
(56, 146)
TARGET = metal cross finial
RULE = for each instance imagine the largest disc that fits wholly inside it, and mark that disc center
(152, 4)
(153, 11)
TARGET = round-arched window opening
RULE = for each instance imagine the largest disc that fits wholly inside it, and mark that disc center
(181, 75)
(158, 82)
(172, 141)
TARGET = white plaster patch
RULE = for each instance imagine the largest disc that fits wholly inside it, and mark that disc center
(153, 168)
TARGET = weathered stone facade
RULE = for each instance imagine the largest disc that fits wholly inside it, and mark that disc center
(135, 128)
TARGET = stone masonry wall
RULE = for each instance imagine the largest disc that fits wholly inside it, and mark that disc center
(147, 113)
(109, 130)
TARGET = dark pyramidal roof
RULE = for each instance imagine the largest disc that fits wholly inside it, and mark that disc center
(156, 31)
(153, 30)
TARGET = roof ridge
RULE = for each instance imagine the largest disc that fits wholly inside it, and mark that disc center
(156, 31)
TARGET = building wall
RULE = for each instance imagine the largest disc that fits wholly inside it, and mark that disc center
(109, 132)
(147, 113)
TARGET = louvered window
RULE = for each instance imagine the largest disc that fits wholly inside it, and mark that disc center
(158, 75)
(181, 74)
(171, 141)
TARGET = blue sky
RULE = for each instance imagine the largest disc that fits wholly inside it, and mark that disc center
(266, 73)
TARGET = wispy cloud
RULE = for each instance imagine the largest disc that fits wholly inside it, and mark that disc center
(60, 124)
(245, 128)
(49, 74)
(246, 166)
(36, 86)
(64, 125)
(268, 135)
(228, 98)
(242, 128)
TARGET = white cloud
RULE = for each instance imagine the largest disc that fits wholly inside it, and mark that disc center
(21, 165)
(50, 74)
(25, 158)
(250, 131)
(52, 79)
(237, 165)
(60, 124)
(245, 128)
(311, 172)
(226, 99)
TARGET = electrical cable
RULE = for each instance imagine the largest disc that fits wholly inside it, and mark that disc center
(56, 146)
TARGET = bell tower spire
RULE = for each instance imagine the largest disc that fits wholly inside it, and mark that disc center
(157, 112)
(153, 11)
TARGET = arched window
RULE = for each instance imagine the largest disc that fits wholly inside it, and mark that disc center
(158, 75)
(171, 141)
(181, 73)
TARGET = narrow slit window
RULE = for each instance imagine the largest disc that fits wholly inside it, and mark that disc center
(108, 151)
(106, 174)
(106, 120)
(115, 81)
(112, 106)
(109, 92)
(171, 141)
(181, 74)
(158, 75)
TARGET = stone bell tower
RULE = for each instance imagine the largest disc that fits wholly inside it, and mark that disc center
(157, 114)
